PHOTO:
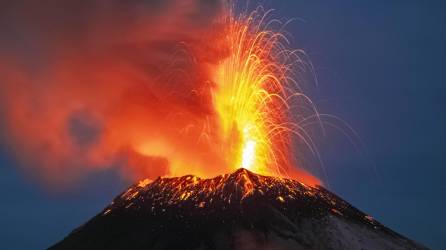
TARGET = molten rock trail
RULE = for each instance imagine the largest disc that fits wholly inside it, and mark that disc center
(241, 210)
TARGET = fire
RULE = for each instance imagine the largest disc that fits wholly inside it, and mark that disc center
(252, 98)
(225, 191)
(249, 154)
(254, 86)
(183, 91)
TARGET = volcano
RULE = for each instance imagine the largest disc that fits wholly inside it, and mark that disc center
(242, 210)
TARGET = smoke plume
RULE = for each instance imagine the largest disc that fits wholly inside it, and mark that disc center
(86, 85)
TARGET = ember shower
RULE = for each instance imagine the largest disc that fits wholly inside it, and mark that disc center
(156, 87)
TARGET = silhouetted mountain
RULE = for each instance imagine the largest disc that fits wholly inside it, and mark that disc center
(241, 210)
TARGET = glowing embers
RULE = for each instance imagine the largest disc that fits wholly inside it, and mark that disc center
(144, 183)
(232, 194)
(219, 192)
(229, 198)
(253, 88)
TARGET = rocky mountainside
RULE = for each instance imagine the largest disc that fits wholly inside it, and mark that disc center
(241, 210)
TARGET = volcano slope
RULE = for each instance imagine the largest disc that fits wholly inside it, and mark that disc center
(241, 210)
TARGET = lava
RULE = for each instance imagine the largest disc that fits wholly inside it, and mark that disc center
(152, 95)
(268, 212)
(220, 192)
(253, 96)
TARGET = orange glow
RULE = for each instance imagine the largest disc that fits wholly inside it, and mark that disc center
(249, 82)
(253, 84)
(254, 87)
(249, 154)
(158, 96)
(221, 190)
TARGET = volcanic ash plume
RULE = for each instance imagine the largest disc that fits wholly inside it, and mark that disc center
(91, 83)
(156, 87)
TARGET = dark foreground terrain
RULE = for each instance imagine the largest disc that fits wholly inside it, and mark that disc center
(241, 210)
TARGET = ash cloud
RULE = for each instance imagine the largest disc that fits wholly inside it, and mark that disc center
(86, 84)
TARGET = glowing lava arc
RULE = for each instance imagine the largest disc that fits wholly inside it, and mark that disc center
(254, 87)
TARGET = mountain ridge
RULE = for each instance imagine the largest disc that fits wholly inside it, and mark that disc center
(220, 212)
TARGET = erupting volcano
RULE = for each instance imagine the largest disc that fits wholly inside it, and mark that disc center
(164, 89)
(241, 210)
(167, 97)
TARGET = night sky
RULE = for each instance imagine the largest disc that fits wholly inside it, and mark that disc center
(380, 67)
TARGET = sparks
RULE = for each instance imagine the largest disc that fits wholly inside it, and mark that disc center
(252, 98)
(259, 106)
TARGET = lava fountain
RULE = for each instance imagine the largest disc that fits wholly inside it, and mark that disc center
(154, 96)
(254, 96)
(259, 111)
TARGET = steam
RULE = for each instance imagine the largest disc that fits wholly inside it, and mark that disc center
(87, 85)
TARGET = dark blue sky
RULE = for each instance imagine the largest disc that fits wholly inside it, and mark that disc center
(381, 68)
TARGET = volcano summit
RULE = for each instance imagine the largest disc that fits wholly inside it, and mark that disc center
(241, 210)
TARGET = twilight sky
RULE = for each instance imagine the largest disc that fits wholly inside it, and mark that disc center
(380, 66)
